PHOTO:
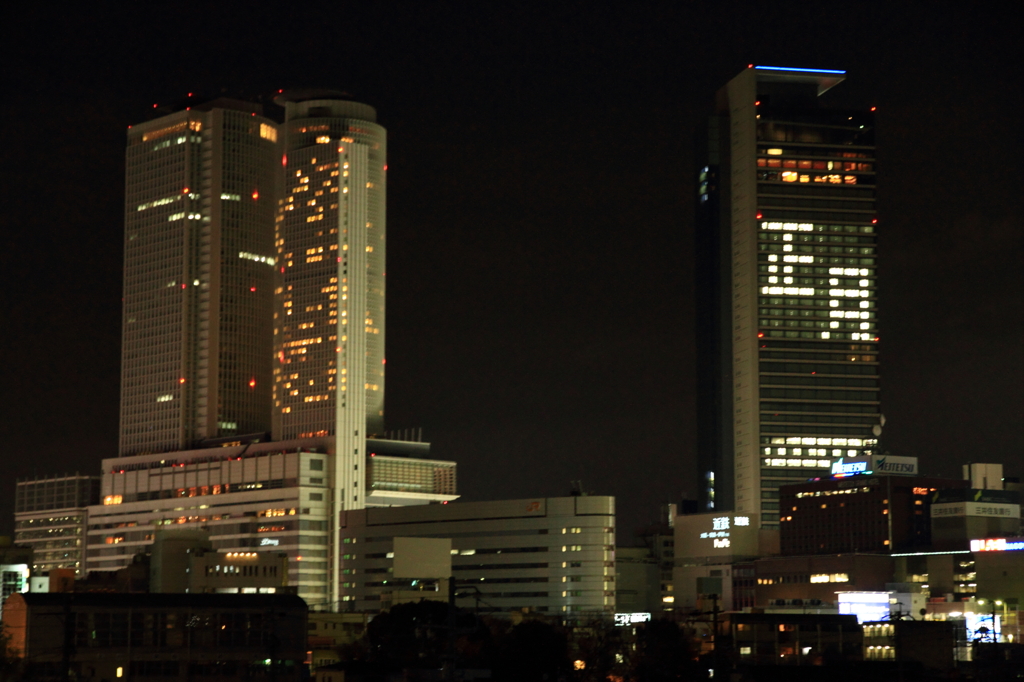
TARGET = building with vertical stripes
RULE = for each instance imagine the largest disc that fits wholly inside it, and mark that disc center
(200, 188)
(787, 331)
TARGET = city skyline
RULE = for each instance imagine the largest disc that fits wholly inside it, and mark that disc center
(541, 267)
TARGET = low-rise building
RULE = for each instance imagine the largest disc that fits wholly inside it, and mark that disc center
(992, 569)
(169, 637)
(15, 573)
(858, 513)
(329, 632)
(51, 515)
(963, 514)
(816, 579)
(552, 555)
(752, 639)
(637, 580)
(255, 497)
(713, 555)
(185, 562)
(929, 644)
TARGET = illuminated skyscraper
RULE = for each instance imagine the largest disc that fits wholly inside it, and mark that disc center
(199, 273)
(329, 330)
(787, 307)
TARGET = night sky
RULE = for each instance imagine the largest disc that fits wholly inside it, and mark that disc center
(540, 217)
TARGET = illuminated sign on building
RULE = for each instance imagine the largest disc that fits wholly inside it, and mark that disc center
(996, 545)
(269, 542)
(715, 534)
(867, 606)
(622, 619)
(841, 468)
(906, 466)
(875, 464)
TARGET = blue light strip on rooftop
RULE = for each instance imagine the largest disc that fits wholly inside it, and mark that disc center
(783, 68)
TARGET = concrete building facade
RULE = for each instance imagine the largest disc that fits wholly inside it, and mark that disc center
(158, 636)
(551, 555)
(860, 514)
(200, 185)
(262, 497)
(50, 517)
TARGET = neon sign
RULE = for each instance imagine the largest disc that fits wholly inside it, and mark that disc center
(841, 468)
(996, 545)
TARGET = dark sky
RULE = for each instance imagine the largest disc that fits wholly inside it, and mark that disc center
(541, 173)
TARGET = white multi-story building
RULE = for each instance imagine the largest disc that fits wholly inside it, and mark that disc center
(329, 325)
(50, 517)
(329, 331)
(553, 555)
(274, 496)
(200, 190)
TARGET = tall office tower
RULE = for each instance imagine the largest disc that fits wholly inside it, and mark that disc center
(198, 284)
(329, 328)
(787, 328)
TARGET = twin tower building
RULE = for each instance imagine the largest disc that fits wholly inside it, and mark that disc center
(253, 367)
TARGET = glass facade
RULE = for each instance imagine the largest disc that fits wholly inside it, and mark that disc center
(198, 283)
(788, 236)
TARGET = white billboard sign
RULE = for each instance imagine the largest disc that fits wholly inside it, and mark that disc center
(996, 510)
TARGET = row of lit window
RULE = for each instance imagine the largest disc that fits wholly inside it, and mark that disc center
(811, 291)
(812, 324)
(848, 314)
(819, 260)
(829, 493)
(813, 452)
(194, 126)
(810, 463)
(771, 225)
(803, 440)
(805, 270)
(771, 162)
